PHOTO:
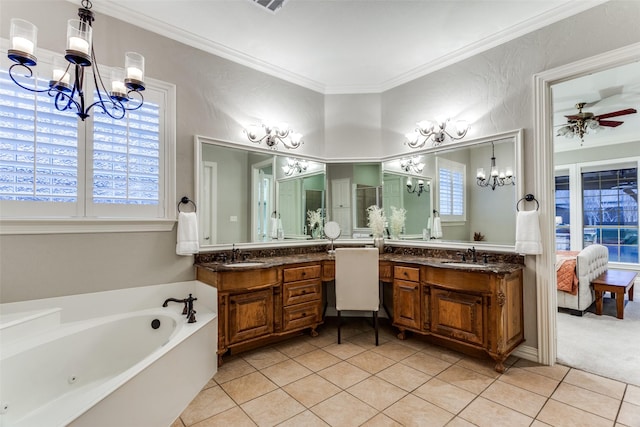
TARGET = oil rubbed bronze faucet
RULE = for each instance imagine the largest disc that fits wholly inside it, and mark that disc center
(472, 251)
(188, 307)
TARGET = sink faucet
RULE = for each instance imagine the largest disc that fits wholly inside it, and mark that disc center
(188, 307)
(235, 253)
(472, 251)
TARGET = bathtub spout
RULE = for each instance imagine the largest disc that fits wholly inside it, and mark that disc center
(183, 301)
(188, 306)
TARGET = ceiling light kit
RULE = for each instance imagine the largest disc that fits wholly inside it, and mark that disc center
(437, 131)
(69, 90)
(274, 134)
(584, 123)
(496, 178)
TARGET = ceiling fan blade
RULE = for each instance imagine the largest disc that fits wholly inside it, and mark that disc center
(573, 117)
(610, 123)
(617, 113)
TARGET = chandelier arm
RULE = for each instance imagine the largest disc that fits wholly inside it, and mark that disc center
(63, 101)
(27, 76)
(110, 107)
(140, 100)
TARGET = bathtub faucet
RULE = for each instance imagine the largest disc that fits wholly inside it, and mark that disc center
(188, 307)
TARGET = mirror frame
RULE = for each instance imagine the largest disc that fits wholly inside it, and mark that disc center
(516, 134)
(199, 140)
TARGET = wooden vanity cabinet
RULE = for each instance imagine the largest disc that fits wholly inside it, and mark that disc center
(257, 306)
(479, 310)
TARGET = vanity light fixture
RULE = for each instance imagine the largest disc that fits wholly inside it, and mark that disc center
(295, 166)
(412, 164)
(436, 131)
(417, 189)
(497, 178)
(274, 134)
(67, 85)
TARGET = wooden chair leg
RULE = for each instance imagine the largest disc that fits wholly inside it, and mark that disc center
(375, 324)
(339, 321)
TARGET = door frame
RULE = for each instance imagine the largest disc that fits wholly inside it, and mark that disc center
(544, 265)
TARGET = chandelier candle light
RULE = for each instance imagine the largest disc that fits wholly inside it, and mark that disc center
(436, 131)
(274, 134)
(69, 93)
(497, 177)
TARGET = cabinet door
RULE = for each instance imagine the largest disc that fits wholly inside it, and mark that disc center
(250, 315)
(457, 315)
(406, 304)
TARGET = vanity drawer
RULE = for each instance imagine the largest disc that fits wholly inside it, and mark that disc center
(302, 315)
(302, 273)
(302, 291)
(411, 274)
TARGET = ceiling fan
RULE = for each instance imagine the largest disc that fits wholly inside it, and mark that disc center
(580, 124)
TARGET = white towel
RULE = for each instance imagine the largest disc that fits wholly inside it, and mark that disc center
(436, 230)
(187, 234)
(429, 223)
(273, 224)
(528, 236)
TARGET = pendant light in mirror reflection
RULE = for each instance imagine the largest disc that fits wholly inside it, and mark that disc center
(418, 188)
(67, 84)
(272, 134)
(497, 178)
(295, 166)
(436, 131)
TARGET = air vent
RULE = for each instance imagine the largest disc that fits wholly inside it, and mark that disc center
(270, 5)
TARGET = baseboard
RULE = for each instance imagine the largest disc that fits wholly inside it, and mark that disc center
(526, 352)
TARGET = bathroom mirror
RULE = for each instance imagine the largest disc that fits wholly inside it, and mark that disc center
(469, 212)
(245, 195)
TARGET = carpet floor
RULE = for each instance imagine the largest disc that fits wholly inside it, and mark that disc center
(603, 345)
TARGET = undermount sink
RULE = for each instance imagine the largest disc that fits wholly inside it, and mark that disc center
(465, 264)
(244, 264)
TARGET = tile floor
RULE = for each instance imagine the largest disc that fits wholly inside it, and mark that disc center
(308, 381)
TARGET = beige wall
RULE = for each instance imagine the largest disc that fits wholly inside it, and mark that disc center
(216, 98)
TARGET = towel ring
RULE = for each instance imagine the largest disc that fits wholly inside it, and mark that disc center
(528, 198)
(436, 213)
(185, 200)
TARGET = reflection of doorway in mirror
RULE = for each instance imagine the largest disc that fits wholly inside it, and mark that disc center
(392, 193)
(208, 201)
(290, 207)
(262, 201)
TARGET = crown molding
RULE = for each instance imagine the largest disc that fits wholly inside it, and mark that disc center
(119, 11)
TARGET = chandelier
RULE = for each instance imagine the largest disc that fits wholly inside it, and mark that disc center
(295, 166)
(67, 85)
(436, 131)
(416, 189)
(274, 134)
(497, 178)
(412, 164)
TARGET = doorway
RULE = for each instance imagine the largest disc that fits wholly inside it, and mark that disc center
(545, 184)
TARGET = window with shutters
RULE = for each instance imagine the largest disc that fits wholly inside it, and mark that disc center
(451, 190)
(55, 166)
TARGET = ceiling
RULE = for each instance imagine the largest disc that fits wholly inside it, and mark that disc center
(343, 46)
(369, 46)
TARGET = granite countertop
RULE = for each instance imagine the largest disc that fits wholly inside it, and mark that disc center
(278, 261)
